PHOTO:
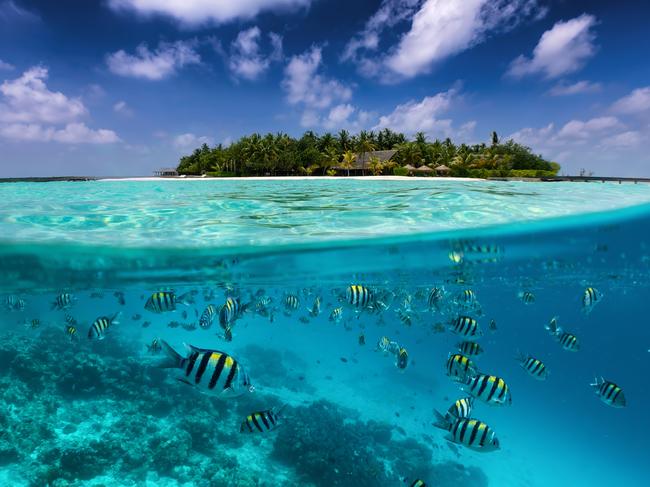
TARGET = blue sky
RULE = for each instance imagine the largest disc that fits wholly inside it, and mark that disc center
(122, 87)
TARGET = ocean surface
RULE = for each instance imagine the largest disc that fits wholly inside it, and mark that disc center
(336, 304)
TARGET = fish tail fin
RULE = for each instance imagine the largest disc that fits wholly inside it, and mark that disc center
(115, 318)
(597, 382)
(171, 358)
(185, 299)
(441, 421)
(520, 357)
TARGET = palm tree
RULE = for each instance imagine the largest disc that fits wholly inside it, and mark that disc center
(331, 158)
(344, 140)
(349, 158)
(409, 153)
(376, 166)
(364, 145)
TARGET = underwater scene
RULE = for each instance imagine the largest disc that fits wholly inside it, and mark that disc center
(324, 333)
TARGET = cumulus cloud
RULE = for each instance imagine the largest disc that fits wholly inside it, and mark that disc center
(154, 65)
(246, 59)
(197, 12)
(123, 108)
(563, 49)
(305, 85)
(577, 88)
(421, 116)
(439, 29)
(191, 141)
(5, 66)
(30, 111)
(638, 101)
(630, 138)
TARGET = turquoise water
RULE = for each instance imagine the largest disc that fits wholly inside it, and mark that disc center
(101, 412)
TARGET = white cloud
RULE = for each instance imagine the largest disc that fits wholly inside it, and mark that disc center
(577, 88)
(30, 111)
(630, 138)
(27, 99)
(10, 12)
(246, 60)
(439, 29)
(422, 116)
(579, 130)
(191, 141)
(197, 12)
(637, 101)
(305, 85)
(72, 133)
(5, 66)
(123, 108)
(563, 49)
(154, 65)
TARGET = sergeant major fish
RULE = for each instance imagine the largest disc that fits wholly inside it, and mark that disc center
(460, 368)
(207, 317)
(472, 433)
(590, 298)
(533, 367)
(99, 327)
(210, 371)
(359, 296)
(526, 297)
(469, 348)
(261, 421)
(461, 408)
(609, 393)
(336, 315)
(490, 389)
(402, 358)
(164, 301)
(465, 326)
(568, 341)
(63, 301)
(231, 311)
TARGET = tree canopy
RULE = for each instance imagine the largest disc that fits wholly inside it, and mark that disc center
(313, 154)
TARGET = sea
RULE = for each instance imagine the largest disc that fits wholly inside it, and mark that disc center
(306, 332)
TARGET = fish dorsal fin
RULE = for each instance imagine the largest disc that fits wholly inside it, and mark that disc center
(192, 348)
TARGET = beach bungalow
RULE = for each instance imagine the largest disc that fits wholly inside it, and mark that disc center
(166, 172)
(362, 162)
(423, 171)
(442, 170)
(410, 169)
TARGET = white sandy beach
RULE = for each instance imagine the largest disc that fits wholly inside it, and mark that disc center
(283, 178)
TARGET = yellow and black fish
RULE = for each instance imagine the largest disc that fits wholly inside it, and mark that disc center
(490, 389)
(71, 331)
(590, 298)
(470, 348)
(465, 326)
(468, 432)
(99, 327)
(435, 297)
(315, 308)
(231, 311)
(261, 421)
(63, 301)
(534, 367)
(418, 483)
(164, 301)
(336, 315)
(462, 408)
(211, 371)
(207, 317)
(460, 368)
(568, 341)
(291, 302)
(359, 296)
(526, 297)
(609, 393)
(402, 358)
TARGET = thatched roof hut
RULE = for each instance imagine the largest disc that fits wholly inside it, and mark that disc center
(409, 167)
(423, 169)
(442, 170)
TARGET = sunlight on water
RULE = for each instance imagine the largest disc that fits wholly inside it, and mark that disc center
(301, 320)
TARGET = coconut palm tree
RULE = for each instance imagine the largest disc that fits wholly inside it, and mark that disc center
(376, 166)
(348, 161)
(365, 145)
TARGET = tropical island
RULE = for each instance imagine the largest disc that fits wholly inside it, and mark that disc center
(367, 153)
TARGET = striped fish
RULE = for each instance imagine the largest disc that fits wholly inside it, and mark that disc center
(609, 393)
(526, 297)
(462, 408)
(404, 317)
(33, 324)
(387, 346)
(155, 346)
(231, 311)
(590, 298)
(490, 389)
(13, 303)
(472, 433)
(402, 358)
(261, 421)
(164, 301)
(465, 326)
(207, 317)
(211, 371)
(418, 483)
(291, 302)
(359, 296)
(467, 298)
(63, 301)
(315, 308)
(336, 315)
(71, 331)
(460, 368)
(70, 320)
(97, 330)
(435, 297)
(534, 367)
(568, 341)
(470, 348)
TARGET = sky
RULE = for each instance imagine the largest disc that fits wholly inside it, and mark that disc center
(123, 87)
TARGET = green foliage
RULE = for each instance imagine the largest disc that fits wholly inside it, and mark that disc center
(400, 171)
(311, 154)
